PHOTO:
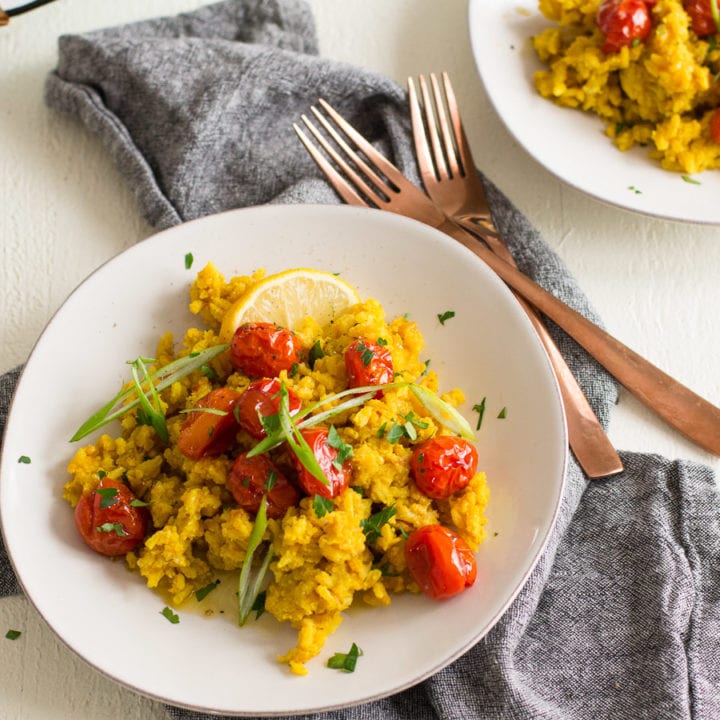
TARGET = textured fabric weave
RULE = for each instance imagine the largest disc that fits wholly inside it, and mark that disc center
(621, 616)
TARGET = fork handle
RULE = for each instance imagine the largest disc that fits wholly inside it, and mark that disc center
(681, 408)
(586, 436)
(590, 444)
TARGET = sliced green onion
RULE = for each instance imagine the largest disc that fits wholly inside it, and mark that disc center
(296, 441)
(250, 587)
(715, 13)
(153, 411)
(345, 661)
(443, 412)
(159, 380)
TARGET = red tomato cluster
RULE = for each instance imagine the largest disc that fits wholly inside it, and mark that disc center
(112, 522)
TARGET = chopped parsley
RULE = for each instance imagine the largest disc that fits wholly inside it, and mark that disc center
(203, 592)
(480, 410)
(24, 459)
(322, 505)
(172, 617)
(108, 527)
(634, 189)
(108, 496)
(316, 352)
(344, 450)
(443, 317)
(371, 526)
(345, 661)
(13, 634)
(188, 260)
(366, 354)
(502, 414)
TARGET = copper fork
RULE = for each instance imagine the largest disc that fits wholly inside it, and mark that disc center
(449, 176)
(362, 176)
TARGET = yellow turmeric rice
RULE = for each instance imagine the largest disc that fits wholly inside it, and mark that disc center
(321, 565)
(661, 92)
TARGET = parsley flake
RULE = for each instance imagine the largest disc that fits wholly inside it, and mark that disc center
(480, 410)
(108, 496)
(502, 414)
(117, 528)
(443, 317)
(13, 634)
(344, 450)
(203, 592)
(316, 352)
(322, 505)
(345, 661)
(24, 459)
(172, 617)
(188, 260)
(371, 526)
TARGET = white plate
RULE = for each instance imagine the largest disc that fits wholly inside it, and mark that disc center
(569, 143)
(105, 613)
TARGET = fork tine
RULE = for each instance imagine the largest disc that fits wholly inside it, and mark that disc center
(448, 135)
(341, 186)
(357, 160)
(431, 129)
(380, 162)
(425, 157)
(349, 171)
(467, 164)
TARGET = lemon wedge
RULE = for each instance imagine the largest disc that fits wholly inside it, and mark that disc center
(288, 297)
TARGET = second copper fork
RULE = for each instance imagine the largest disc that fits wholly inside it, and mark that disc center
(450, 179)
(363, 176)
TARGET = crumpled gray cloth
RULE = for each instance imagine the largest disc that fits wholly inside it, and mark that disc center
(621, 617)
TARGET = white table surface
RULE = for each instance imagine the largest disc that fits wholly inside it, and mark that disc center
(65, 210)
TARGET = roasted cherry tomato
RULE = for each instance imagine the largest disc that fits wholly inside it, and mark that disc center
(107, 521)
(443, 465)
(261, 399)
(440, 561)
(251, 478)
(715, 126)
(623, 22)
(204, 434)
(264, 349)
(368, 363)
(701, 17)
(338, 477)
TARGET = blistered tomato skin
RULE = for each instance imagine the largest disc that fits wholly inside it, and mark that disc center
(107, 522)
(262, 398)
(207, 434)
(623, 22)
(264, 349)
(249, 480)
(701, 17)
(715, 126)
(338, 477)
(368, 363)
(443, 465)
(440, 561)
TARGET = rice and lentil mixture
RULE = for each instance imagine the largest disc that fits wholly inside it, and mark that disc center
(321, 565)
(660, 91)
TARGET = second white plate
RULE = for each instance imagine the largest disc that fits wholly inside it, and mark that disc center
(569, 143)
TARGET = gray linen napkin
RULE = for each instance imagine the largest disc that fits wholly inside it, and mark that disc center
(621, 616)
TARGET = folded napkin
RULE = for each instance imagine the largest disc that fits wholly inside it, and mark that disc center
(621, 616)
